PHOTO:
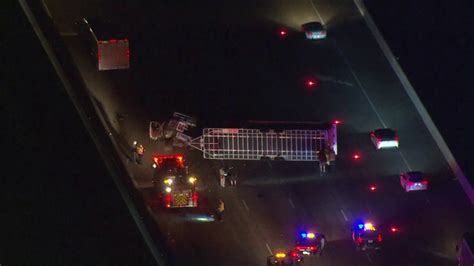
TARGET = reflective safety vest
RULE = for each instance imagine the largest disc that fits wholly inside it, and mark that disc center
(220, 207)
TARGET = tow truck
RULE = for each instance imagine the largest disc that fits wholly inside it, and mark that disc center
(172, 181)
(310, 243)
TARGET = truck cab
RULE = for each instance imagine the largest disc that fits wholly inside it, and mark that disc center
(173, 183)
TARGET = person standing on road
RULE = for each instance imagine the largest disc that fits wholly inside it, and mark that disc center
(331, 157)
(222, 175)
(134, 155)
(232, 177)
(220, 210)
(140, 153)
(322, 161)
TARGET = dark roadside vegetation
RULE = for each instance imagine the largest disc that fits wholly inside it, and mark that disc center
(59, 204)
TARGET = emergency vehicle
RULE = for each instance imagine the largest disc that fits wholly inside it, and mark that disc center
(310, 243)
(106, 43)
(285, 259)
(366, 236)
(173, 183)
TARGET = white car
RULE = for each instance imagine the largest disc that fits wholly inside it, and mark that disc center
(384, 138)
(155, 130)
(413, 181)
(314, 30)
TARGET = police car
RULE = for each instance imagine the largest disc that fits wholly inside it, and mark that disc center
(366, 236)
(310, 243)
(282, 258)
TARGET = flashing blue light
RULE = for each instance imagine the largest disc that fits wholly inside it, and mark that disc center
(361, 226)
(303, 235)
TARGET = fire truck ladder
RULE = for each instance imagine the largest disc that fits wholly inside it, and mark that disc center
(253, 144)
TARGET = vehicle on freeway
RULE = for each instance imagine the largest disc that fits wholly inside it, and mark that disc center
(310, 243)
(314, 30)
(366, 236)
(413, 181)
(465, 250)
(106, 43)
(173, 183)
(155, 130)
(384, 138)
(282, 259)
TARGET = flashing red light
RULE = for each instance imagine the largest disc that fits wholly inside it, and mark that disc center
(393, 229)
(379, 238)
(167, 201)
(373, 188)
(310, 83)
(359, 240)
(294, 254)
(424, 182)
(195, 197)
(337, 122)
(283, 33)
(356, 156)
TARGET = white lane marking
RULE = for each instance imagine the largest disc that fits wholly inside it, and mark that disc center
(360, 8)
(344, 215)
(360, 85)
(405, 160)
(269, 249)
(245, 205)
(291, 203)
(317, 13)
(46, 8)
(269, 164)
(368, 257)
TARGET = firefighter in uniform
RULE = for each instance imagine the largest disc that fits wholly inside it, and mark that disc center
(220, 210)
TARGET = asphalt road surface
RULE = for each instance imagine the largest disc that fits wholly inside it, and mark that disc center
(226, 64)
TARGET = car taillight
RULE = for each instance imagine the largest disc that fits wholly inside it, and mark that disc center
(195, 197)
(379, 238)
(359, 240)
(424, 183)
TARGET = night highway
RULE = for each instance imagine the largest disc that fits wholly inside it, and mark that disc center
(228, 64)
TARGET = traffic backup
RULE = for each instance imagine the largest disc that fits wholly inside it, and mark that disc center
(173, 183)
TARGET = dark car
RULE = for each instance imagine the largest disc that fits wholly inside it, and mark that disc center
(309, 243)
(366, 236)
(314, 30)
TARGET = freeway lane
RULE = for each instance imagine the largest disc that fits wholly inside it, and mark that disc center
(226, 68)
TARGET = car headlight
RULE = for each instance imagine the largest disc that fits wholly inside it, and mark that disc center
(153, 165)
(168, 189)
(168, 181)
(192, 180)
